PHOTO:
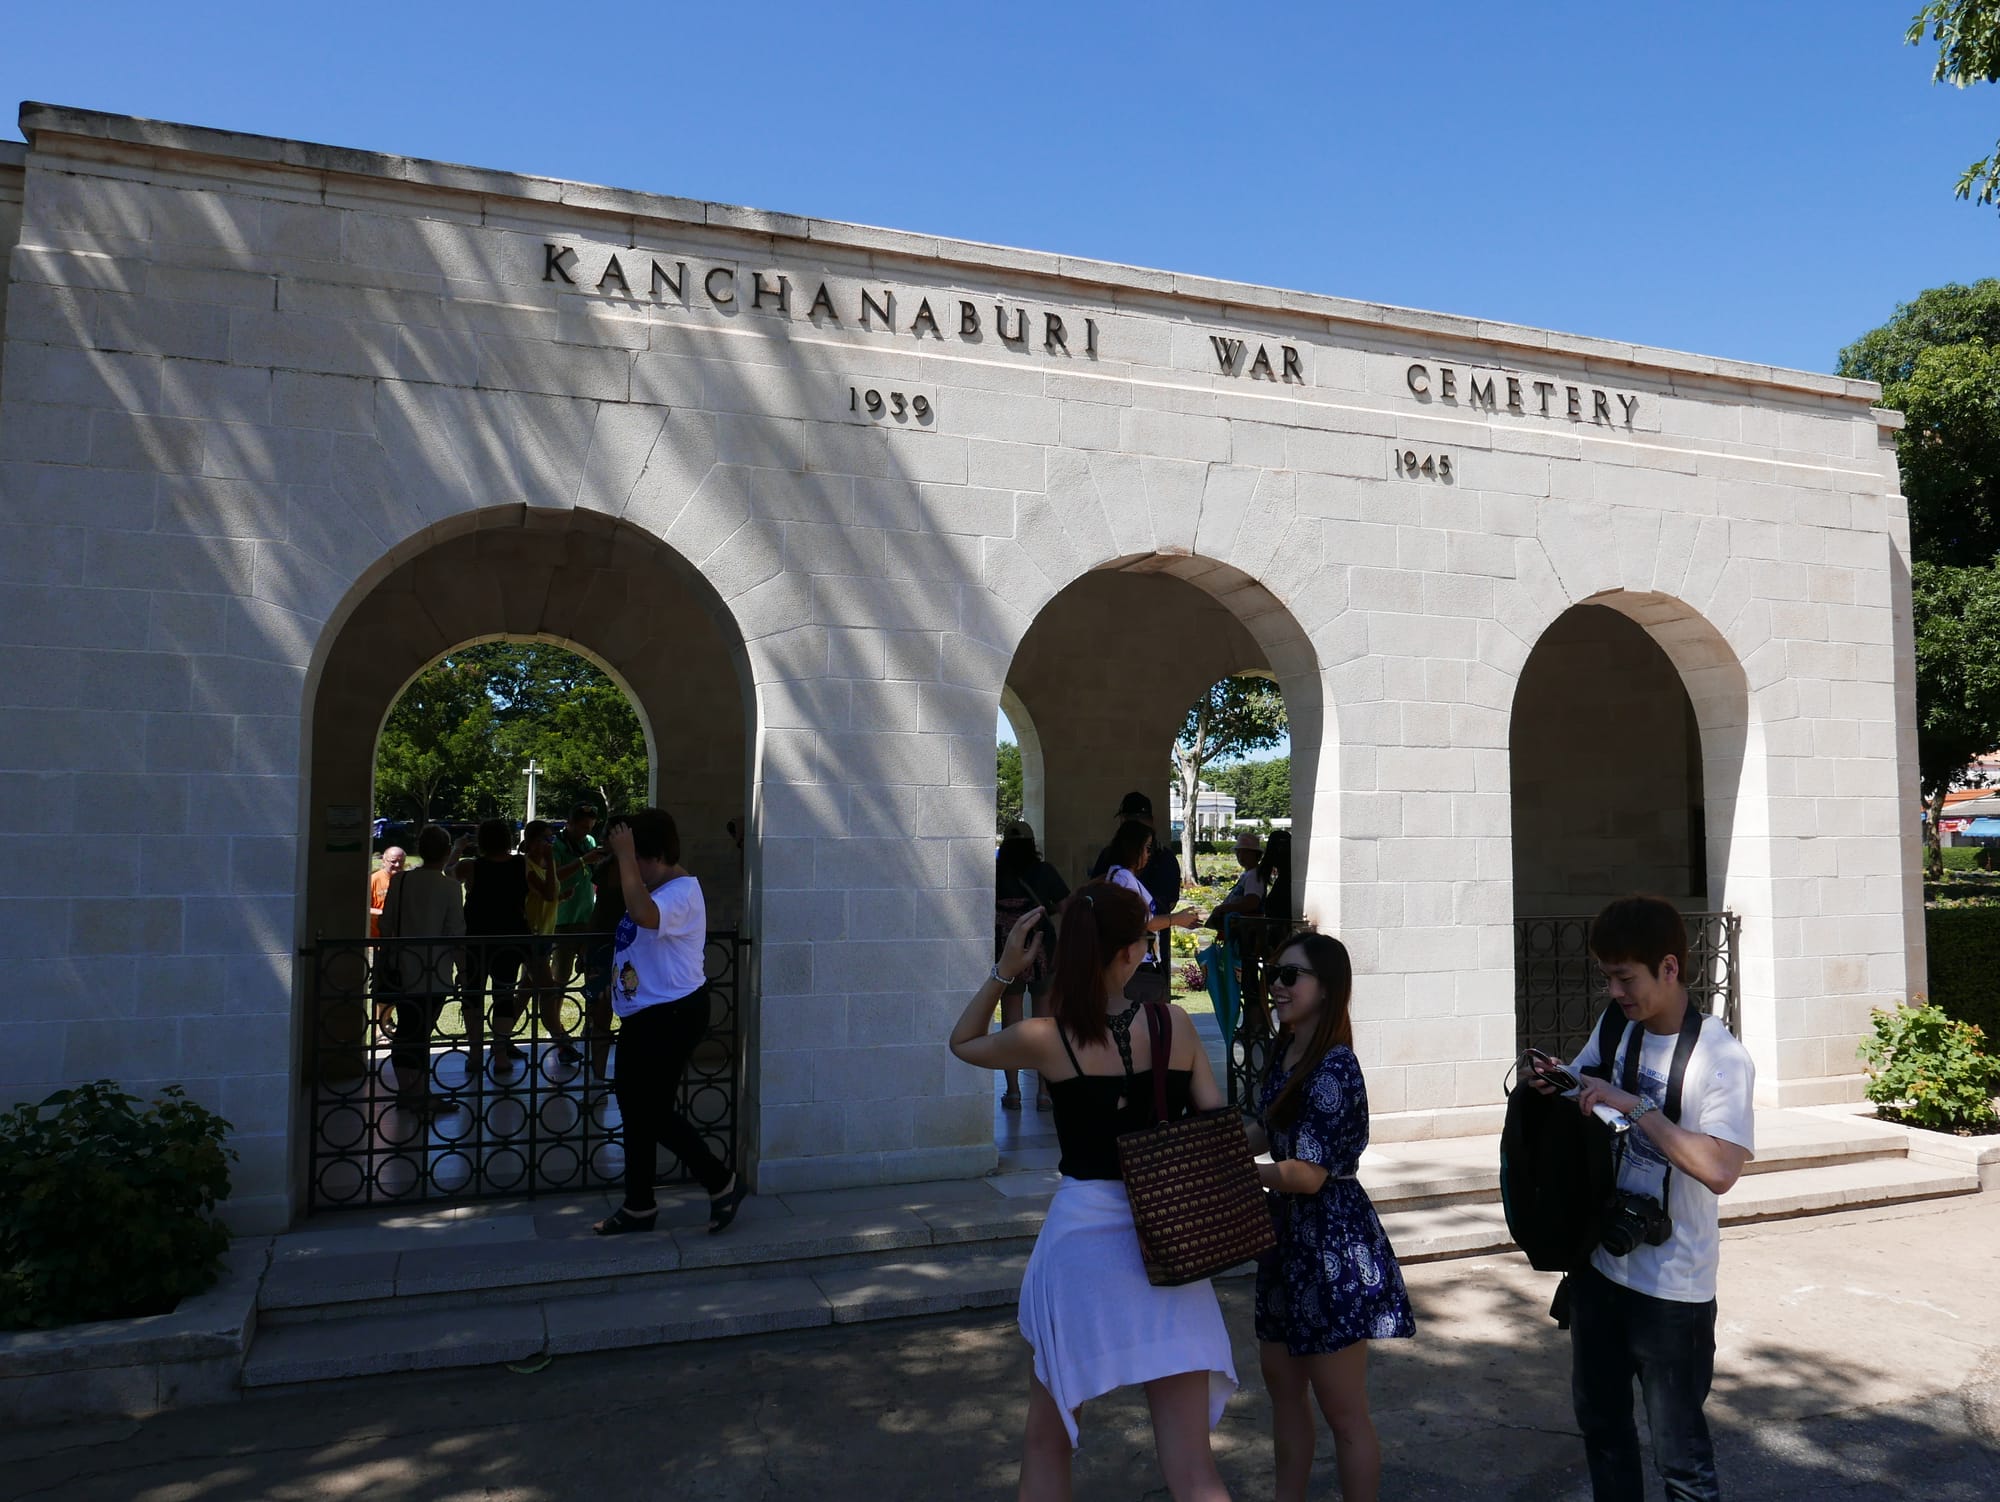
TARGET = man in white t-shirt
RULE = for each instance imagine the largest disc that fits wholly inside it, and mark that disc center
(1650, 1313)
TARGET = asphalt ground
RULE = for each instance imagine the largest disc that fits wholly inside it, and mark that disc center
(1858, 1357)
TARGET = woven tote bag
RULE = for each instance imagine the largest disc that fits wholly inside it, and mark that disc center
(1193, 1184)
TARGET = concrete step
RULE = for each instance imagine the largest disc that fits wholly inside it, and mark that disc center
(935, 1280)
(1434, 1232)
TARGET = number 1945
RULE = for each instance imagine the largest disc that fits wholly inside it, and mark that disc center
(1412, 465)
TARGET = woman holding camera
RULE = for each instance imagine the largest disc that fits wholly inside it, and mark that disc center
(1094, 1321)
(1333, 1284)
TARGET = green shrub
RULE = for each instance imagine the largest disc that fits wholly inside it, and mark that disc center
(1961, 857)
(1964, 953)
(105, 1211)
(1931, 1070)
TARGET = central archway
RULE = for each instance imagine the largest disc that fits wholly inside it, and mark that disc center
(620, 596)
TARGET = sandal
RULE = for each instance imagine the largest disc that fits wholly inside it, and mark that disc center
(722, 1207)
(1011, 1101)
(621, 1222)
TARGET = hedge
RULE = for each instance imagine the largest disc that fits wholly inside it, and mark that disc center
(1964, 945)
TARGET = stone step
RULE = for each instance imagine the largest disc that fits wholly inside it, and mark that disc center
(935, 1280)
(1433, 1233)
(426, 1263)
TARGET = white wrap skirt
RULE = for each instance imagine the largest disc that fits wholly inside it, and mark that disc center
(1095, 1322)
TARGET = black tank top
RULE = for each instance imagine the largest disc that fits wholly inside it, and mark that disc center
(496, 901)
(1090, 1120)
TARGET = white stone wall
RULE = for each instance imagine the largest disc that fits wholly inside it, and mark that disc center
(245, 379)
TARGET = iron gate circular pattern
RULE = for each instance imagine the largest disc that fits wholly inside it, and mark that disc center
(1559, 992)
(512, 1128)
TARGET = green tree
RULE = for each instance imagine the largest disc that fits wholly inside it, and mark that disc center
(1262, 789)
(459, 740)
(592, 748)
(1957, 613)
(1938, 360)
(1236, 715)
(437, 744)
(1007, 784)
(1967, 33)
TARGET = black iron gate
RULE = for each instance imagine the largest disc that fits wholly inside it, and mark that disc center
(1559, 991)
(507, 1094)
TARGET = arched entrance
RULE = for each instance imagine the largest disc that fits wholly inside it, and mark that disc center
(1102, 681)
(1627, 751)
(619, 595)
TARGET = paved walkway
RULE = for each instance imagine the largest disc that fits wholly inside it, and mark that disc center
(1859, 1358)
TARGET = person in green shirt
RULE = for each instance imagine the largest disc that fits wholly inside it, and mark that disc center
(575, 853)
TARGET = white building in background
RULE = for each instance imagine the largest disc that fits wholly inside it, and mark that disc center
(1214, 813)
(1554, 617)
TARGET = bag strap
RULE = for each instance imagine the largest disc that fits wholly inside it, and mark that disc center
(1160, 1028)
(1608, 1028)
(1690, 1034)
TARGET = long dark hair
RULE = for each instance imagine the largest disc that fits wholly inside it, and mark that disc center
(1099, 919)
(1014, 863)
(1128, 844)
(1327, 958)
(1275, 872)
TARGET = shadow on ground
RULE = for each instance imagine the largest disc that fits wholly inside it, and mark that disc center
(1476, 1408)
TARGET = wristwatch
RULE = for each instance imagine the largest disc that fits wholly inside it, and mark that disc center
(1632, 1116)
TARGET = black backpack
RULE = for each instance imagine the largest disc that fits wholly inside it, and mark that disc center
(1556, 1167)
(1559, 1168)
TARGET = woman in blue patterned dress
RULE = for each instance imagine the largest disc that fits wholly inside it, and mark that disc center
(1333, 1284)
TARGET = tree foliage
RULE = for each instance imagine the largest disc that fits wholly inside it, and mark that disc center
(457, 743)
(1262, 789)
(1938, 360)
(1235, 717)
(1007, 785)
(1967, 33)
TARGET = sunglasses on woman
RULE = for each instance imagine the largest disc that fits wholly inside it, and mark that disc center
(1288, 975)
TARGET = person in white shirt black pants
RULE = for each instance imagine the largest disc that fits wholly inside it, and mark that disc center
(1650, 1312)
(659, 989)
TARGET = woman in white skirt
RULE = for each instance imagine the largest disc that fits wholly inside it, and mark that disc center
(1093, 1320)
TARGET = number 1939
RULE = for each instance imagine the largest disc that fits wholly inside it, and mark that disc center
(897, 405)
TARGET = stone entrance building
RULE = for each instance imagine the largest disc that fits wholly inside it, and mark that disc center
(281, 423)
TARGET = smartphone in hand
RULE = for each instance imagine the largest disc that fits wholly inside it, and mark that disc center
(1554, 1070)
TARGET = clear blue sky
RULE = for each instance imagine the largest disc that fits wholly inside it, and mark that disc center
(1752, 179)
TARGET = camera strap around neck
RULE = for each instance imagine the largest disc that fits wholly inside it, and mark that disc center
(1635, 1046)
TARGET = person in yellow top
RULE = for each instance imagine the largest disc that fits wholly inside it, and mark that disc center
(538, 848)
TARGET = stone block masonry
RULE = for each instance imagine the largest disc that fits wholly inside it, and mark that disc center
(281, 422)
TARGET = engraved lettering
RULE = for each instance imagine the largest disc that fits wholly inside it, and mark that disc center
(1262, 363)
(552, 263)
(1575, 401)
(1418, 379)
(1631, 406)
(761, 289)
(1090, 337)
(708, 285)
(1545, 389)
(925, 316)
(1227, 352)
(823, 299)
(612, 270)
(1292, 370)
(884, 310)
(968, 320)
(671, 283)
(1513, 394)
(1448, 384)
(1600, 407)
(1052, 334)
(1478, 395)
(1020, 334)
